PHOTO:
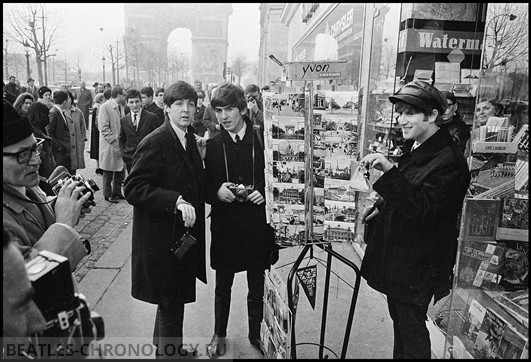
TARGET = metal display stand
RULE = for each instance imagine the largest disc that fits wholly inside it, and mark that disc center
(319, 70)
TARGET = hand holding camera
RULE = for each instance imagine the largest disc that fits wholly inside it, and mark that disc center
(70, 204)
(252, 104)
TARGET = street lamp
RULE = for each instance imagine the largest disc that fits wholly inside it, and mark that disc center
(26, 47)
(103, 60)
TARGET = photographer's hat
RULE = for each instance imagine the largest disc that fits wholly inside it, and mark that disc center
(422, 95)
(16, 128)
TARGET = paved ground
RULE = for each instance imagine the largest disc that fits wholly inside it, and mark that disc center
(104, 278)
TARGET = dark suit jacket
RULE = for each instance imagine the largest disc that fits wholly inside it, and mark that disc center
(161, 172)
(58, 131)
(130, 138)
(156, 110)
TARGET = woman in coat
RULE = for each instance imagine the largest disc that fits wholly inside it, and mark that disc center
(77, 127)
(38, 114)
(165, 184)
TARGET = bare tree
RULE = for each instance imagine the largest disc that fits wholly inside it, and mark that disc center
(387, 60)
(506, 40)
(239, 66)
(27, 24)
(78, 61)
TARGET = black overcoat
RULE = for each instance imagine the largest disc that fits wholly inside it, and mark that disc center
(412, 243)
(161, 171)
(241, 238)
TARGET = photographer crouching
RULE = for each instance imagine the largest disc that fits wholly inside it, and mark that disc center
(35, 223)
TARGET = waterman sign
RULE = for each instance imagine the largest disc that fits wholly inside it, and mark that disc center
(317, 70)
(439, 41)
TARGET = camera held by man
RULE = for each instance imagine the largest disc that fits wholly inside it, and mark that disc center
(241, 191)
(70, 325)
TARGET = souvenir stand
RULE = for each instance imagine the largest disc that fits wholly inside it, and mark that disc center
(489, 309)
(297, 178)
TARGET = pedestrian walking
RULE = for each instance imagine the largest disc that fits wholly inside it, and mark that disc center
(99, 99)
(39, 116)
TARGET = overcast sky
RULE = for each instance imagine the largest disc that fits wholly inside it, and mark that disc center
(81, 24)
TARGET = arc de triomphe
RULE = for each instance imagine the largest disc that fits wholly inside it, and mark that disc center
(151, 24)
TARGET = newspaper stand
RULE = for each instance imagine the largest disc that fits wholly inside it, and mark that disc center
(308, 72)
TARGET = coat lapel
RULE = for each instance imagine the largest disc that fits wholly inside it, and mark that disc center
(180, 150)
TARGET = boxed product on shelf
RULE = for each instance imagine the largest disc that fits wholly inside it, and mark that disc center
(480, 264)
(480, 219)
(514, 220)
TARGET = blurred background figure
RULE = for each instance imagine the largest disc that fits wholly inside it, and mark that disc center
(84, 101)
(458, 129)
(31, 89)
(45, 96)
(99, 99)
(22, 103)
(199, 127)
(78, 134)
(39, 116)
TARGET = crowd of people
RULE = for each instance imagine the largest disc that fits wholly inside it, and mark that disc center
(167, 154)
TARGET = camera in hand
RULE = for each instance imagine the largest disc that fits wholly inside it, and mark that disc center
(241, 191)
(69, 322)
(252, 98)
(60, 175)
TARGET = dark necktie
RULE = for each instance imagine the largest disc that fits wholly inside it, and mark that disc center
(135, 124)
(238, 139)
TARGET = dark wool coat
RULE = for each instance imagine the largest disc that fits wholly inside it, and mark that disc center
(412, 243)
(162, 171)
(241, 238)
(130, 137)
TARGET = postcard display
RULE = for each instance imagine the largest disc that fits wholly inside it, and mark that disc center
(309, 158)
(489, 306)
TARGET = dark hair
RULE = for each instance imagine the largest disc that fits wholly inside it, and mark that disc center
(178, 91)
(59, 97)
(200, 95)
(116, 91)
(71, 96)
(20, 101)
(251, 88)
(265, 88)
(159, 89)
(38, 114)
(107, 94)
(43, 90)
(132, 93)
(229, 95)
(401, 106)
(147, 91)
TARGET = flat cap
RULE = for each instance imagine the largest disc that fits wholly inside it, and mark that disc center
(422, 95)
(31, 80)
(16, 127)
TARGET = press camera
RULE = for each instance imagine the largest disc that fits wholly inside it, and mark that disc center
(70, 325)
(241, 191)
(61, 175)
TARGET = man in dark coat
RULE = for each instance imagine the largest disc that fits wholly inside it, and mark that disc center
(412, 235)
(84, 101)
(134, 127)
(166, 188)
(149, 104)
(241, 238)
(458, 129)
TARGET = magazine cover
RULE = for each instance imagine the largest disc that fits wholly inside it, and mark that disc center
(480, 264)
(480, 219)
(514, 220)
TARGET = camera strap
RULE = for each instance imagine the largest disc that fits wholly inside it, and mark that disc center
(227, 164)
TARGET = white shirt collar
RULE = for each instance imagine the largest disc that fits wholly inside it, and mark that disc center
(241, 133)
(138, 113)
(415, 145)
(181, 135)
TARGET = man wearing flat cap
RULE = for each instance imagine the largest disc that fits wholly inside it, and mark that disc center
(31, 89)
(36, 223)
(412, 227)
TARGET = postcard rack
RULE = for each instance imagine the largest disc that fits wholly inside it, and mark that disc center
(291, 141)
